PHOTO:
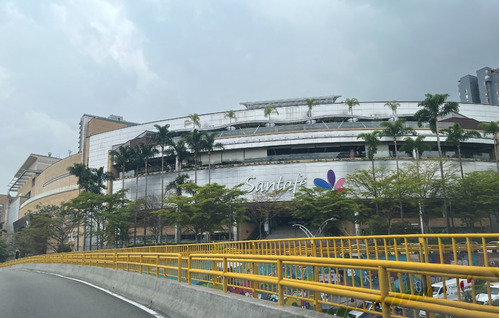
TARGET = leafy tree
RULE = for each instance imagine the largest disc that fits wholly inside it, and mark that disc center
(351, 102)
(194, 119)
(205, 211)
(90, 179)
(310, 103)
(210, 145)
(269, 110)
(476, 196)
(316, 205)
(122, 158)
(393, 106)
(231, 114)
(455, 135)
(265, 207)
(435, 107)
(491, 128)
(4, 253)
(162, 137)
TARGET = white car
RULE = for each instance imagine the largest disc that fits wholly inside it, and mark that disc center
(482, 298)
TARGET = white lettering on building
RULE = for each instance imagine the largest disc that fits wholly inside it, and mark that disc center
(280, 184)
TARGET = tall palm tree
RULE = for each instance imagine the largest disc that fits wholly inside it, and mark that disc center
(80, 171)
(435, 107)
(372, 141)
(310, 103)
(176, 186)
(417, 146)
(210, 145)
(194, 119)
(393, 106)
(269, 110)
(455, 135)
(351, 102)
(195, 141)
(122, 158)
(178, 149)
(491, 128)
(162, 137)
(231, 114)
(395, 130)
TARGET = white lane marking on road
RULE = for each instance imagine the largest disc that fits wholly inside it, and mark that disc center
(146, 309)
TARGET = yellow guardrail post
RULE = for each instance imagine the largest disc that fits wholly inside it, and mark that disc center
(317, 294)
(188, 273)
(255, 284)
(224, 271)
(384, 291)
(179, 268)
(279, 272)
(115, 264)
(157, 265)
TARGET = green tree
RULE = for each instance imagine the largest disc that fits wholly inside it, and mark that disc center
(455, 135)
(351, 102)
(175, 187)
(265, 206)
(316, 205)
(210, 145)
(162, 137)
(4, 253)
(371, 144)
(231, 114)
(435, 107)
(122, 159)
(195, 141)
(475, 197)
(179, 151)
(415, 148)
(206, 211)
(269, 110)
(310, 103)
(395, 130)
(491, 128)
(393, 106)
(90, 179)
(194, 119)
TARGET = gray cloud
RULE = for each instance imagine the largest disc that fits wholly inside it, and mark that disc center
(149, 60)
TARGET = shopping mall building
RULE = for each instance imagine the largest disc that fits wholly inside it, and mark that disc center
(288, 149)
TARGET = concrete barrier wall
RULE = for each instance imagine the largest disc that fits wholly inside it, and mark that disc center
(173, 299)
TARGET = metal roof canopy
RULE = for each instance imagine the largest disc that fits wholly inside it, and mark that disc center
(291, 102)
(18, 182)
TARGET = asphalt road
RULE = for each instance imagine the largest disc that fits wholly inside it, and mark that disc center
(25, 294)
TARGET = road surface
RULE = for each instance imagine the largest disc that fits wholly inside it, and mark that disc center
(27, 294)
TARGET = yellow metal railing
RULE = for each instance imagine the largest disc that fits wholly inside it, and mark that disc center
(392, 276)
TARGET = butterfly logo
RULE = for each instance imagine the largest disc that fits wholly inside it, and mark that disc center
(330, 185)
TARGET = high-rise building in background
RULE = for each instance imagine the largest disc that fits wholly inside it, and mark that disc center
(480, 89)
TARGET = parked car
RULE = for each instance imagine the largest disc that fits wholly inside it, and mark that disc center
(482, 298)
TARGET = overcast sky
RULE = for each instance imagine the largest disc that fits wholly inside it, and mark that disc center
(149, 60)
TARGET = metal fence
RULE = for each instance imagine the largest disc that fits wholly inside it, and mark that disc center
(390, 276)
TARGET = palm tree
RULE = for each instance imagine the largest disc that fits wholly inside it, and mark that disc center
(178, 149)
(351, 102)
(434, 107)
(146, 151)
(231, 114)
(393, 106)
(270, 109)
(417, 146)
(121, 158)
(310, 103)
(162, 137)
(456, 135)
(176, 186)
(80, 171)
(194, 119)
(395, 130)
(195, 141)
(491, 128)
(372, 141)
(210, 145)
